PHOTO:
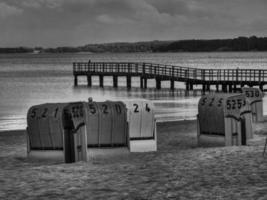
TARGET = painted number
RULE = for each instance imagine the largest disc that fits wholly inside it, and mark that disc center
(257, 93)
(247, 94)
(33, 113)
(81, 111)
(239, 103)
(44, 113)
(251, 94)
(77, 111)
(73, 110)
(220, 102)
(147, 108)
(235, 103)
(211, 102)
(105, 109)
(118, 108)
(136, 108)
(55, 115)
(228, 103)
(204, 100)
(92, 108)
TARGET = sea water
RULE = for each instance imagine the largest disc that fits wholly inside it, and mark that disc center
(30, 79)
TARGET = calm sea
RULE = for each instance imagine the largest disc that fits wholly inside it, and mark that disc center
(29, 79)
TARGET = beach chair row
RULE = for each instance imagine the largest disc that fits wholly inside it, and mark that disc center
(69, 130)
(227, 118)
(78, 130)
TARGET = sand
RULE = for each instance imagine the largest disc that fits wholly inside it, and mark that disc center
(178, 170)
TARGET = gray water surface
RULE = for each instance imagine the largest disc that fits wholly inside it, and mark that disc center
(30, 79)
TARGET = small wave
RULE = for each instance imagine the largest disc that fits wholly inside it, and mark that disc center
(12, 123)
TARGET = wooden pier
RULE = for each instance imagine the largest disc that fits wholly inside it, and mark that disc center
(226, 80)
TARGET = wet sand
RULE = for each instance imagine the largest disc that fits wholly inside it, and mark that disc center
(178, 170)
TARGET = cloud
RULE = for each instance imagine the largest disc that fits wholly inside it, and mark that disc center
(7, 10)
(106, 19)
(77, 22)
(171, 7)
(31, 3)
(35, 4)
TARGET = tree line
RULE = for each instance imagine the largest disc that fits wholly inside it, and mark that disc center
(237, 44)
(252, 43)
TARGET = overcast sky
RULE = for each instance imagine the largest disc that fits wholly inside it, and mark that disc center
(52, 23)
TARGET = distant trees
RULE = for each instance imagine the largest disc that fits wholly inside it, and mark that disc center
(16, 50)
(62, 50)
(125, 47)
(237, 44)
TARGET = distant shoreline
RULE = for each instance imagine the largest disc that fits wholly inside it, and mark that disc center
(239, 44)
(44, 53)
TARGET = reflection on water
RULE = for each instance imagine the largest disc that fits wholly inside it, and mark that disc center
(178, 104)
(28, 79)
(172, 105)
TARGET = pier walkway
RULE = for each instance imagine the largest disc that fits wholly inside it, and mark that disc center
(226, 80)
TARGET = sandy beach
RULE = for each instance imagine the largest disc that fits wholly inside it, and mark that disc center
(178, 170)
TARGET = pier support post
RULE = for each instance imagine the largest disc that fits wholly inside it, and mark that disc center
(224, 87)
(191, 86)
(217, 88)
(172, 84)
(158, 83)
(145, 83)
(141, 82)
(75, 80)
(203, 88)
(230, 88)
(129, 82)
(89, 80)
(261, 87)
(101, 80)
(187, 86)
(208, 87)
(115, 81)
(235, 88)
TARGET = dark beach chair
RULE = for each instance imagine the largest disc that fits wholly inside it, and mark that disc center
(264, 147)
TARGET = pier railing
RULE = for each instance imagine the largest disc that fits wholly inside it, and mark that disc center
(170, 72)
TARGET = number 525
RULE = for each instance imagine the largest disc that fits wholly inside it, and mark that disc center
(235, 103)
